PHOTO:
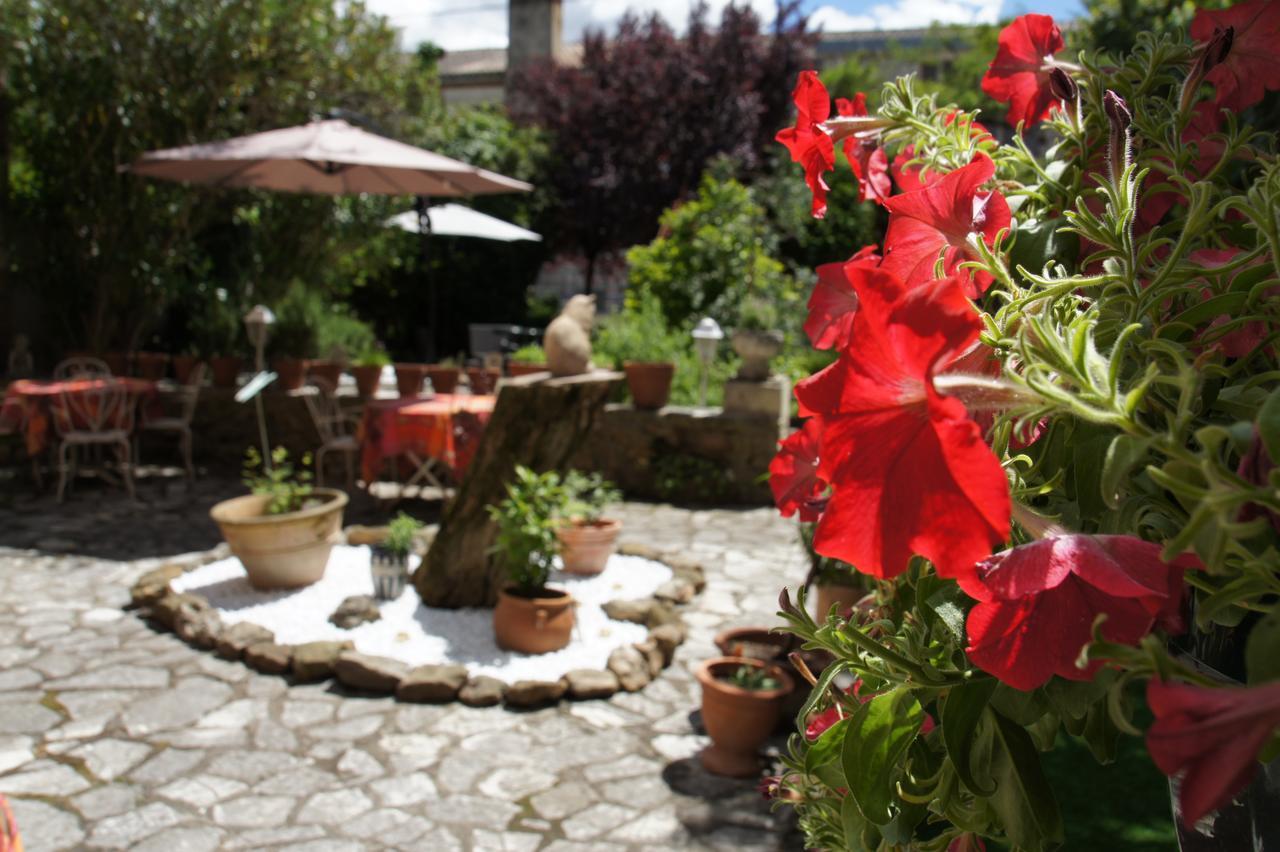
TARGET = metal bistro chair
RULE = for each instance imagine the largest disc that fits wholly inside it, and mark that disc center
(81, 367)
(187, 396)
(97, 416)
(337, 429)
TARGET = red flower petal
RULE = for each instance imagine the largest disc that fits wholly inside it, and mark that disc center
(1019, 75)
(809, 144)
(937, 221)
(1250, 69)
(793, 473)
(834, 301)
(1213, 736)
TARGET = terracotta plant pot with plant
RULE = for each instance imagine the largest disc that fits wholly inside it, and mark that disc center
(530, 617)
(225, 369)
(483, 379)
(150, 365)
(527, 360)
(117, 362)
(284, 531)
(587, 538)
(649, 382)
(409, 379)
(329, 371)
(389, 560)
(741, 705)
(515, 368)
(367, 370)
(182, 367)
(291, 373)
(444, 377)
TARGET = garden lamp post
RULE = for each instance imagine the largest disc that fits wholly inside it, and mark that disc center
(706, 337)
(257, 325)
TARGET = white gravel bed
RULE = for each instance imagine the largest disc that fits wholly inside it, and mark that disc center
(419, 635)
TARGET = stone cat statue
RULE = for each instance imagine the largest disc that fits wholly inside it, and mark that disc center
(567, 343)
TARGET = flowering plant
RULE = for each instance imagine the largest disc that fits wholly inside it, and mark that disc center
(1048, 437)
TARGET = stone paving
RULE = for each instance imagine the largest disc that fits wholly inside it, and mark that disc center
(116, 736)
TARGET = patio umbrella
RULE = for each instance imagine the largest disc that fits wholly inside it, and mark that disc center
(454, 220)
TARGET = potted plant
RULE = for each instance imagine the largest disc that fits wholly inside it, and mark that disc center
(756, 339)
(587, 538)
(389, 559)
(183, 364)
(409, 376)
(150, 365)
(283, 531)
(639, 342)
(444, 375)
(367, 370)
(530, 617)
(527, 360)
(741, 704)
(483, 380)
(216, 332)
(329, 369)
(292, 342)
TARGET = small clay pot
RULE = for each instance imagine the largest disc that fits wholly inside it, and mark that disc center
(330, 371)
(515, 368)
(226, 369)
(649, 382)
(586, 546)
(150, 365)
(117, 363)
(291, 373)
(182, 367)
(409, 379)
(367, 378)
(738, 720)
(483, 379)
(443, 379)
(533, 625)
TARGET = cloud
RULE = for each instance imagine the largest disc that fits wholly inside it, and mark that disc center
(906, 14)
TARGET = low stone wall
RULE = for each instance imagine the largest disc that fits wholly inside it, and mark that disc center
(223, 428)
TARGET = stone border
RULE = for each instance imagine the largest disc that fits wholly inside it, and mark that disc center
(630, 668)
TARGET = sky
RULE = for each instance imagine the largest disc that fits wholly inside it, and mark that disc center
(466, 24)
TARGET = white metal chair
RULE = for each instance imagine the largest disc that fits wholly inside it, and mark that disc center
(97, 416)
(337, 429)
(179, 424)
(81, 367)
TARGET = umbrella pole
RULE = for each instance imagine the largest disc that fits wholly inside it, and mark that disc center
(424, 240)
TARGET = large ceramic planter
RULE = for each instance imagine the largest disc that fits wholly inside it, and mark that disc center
(515, 368)
(409, 379)
(756, 349)
(533, 625)
(150, 365)
(281, 551)
(226, 369)
(649, 382)
(291, 373)
(183, 365)
(367, 379)
(330, 371)
(738, 720)
(585, 547)
(443, 379)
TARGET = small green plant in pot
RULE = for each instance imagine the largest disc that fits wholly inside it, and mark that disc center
(530, 617)
(367, 370)
(587, 537)
(742, 702)
(389, 561)
(640, 342)
(527, 359)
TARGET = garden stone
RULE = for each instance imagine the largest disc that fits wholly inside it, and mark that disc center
(534, 693)
(167, 608)
(237, 637)
(153, 585)
(631, 667)
(268, 657)
(432, 683)
(482, 692)
(364, 671)
(667, 637)
(690, 572)
(635, 611)
(354, 611)
(201, 628)
(314, 661)
(676, 591)
(583, 684)
(653, 656)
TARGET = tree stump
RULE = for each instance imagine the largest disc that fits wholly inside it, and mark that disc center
(538, 422)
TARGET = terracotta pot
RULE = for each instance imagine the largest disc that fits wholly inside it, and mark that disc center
(515, 368)
(737, 720)
(291, 373)
(409, 378)
(483, 379)
(330, 371)
(150, 365)
(534, 625)
(585, 547)
(443, 379)
(649, 382)
(845, 596)
(756, 349)
(226, 369)
(117, 363)
(367, 379)
(281, 551)
(760, 643)
(182, 367)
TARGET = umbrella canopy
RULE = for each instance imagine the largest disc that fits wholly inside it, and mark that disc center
(454, 220)
(329, 157)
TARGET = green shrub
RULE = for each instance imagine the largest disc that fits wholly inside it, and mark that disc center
(289, 489)
(639, 332)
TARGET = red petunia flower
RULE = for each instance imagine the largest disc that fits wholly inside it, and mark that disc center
(1019, 75)
(909, 470)
(1212, 736)
(866, 156)
(1038, 602)
(1255, 468)
(967, 843)
(834, 301)
(793, 473)
(808, 142)
(939, 220)
(1250, 68)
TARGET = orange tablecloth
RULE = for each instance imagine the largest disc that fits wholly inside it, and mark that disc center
(29, 406)
(446, 428)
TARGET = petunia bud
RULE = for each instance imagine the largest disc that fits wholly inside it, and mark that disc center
(1212, 54)
(784, 601)
(1121, 120)
(1062, 86)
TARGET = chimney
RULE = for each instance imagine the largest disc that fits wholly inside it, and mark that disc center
(533, 32)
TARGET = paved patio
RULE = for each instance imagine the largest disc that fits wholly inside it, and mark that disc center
(115, 736)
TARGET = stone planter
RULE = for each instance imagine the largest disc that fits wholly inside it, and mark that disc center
(330, 371)
(281, 551)
(443, 379)
(182, 367)
(737, 720)
(586, 546)
(649, 382)
(409, 379)
(291, 373)
(367, 379)
(390, 572)
(226, 369)
(756, 349)
(533, 625)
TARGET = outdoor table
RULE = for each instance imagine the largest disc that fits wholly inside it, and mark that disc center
(443, 430)
(29, 406)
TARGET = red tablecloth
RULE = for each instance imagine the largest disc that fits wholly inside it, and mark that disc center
(446, 428)
(29, 406)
